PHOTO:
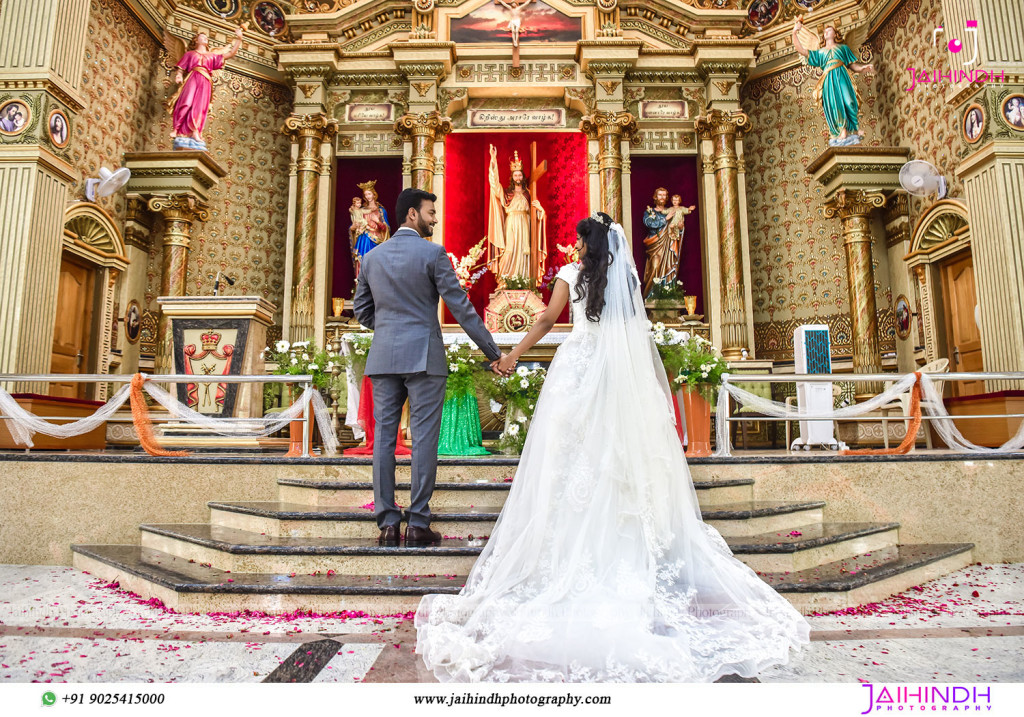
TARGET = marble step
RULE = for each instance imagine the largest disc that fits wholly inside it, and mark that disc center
(240, 551)
(467, 492)
(809, 546)
(755, 517)
(868, 577)
(304, 521)
(494, 469)
(191, 587)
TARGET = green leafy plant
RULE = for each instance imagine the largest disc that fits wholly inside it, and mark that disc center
(695, 363)
(665, 291)
(520, 283)
(360, 344)
(464, 371)
(301, 358)
(518, 395)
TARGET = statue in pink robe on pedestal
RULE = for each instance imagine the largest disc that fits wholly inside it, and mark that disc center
(191, 103)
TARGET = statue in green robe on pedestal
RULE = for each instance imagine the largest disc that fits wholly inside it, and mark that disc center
(839, 98)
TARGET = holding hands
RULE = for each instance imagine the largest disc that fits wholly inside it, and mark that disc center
(504, 366)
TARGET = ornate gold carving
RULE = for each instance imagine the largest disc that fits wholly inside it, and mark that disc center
(851, 203)
(431, 124)
(608, 68)
(717, 122)
(724, 85)
(308, 90)
(609, 86)
(602, 122)
(448, 96)
(422, 88)
(707, 163)
(184, 207)
(319, 126)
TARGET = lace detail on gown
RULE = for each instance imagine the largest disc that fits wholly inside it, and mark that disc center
(599, 568)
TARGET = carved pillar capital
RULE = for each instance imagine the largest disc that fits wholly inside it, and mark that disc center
(848, 204)
(423, 124)
(604, 122)
(722, 122)
(318, 126)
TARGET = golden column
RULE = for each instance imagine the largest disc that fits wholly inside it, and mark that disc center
(309, 132)
(179, 211)
(854, 207)
(610, 129)
(423, 130)
(724, 128)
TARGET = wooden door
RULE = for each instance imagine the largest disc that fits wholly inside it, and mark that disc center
(962, 331)
(72, 331)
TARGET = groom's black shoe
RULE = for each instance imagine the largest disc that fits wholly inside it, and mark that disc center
(389, 535)
(415, 536)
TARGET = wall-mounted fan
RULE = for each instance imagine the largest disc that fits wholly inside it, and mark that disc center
(922, 178)
(108, 183)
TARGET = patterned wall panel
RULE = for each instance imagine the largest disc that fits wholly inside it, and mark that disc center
(798, 271)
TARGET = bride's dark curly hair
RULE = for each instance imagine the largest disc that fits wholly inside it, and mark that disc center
(593, 276)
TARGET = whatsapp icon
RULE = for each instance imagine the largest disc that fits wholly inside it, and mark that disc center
(49, 699)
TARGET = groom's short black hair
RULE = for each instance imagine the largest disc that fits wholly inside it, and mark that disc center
(411, 199)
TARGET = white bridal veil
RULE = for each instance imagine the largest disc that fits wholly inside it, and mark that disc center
(600, 568)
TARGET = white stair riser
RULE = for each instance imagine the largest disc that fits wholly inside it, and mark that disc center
(309, 564)
(767, 523)
(336, 528)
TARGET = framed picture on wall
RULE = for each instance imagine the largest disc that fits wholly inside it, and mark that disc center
(1013, 111)
(133, 322)
(268, 17)
(903, 317)
(14, 117)
(58, 128)
(974, 123)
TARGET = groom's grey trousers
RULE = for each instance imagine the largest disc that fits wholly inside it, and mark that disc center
(426, 398)
(397, 296)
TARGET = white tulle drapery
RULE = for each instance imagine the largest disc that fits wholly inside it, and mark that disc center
(931, 405)
(950, 434)
(600, 568)
(23, 424)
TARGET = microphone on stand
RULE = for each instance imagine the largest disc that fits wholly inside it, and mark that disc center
(216, 283)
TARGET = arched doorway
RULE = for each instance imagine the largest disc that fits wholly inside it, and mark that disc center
(92, 260)
(942, 262)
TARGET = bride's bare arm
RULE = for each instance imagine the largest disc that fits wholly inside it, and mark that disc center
(547, 320)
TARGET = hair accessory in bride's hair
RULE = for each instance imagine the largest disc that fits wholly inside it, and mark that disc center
(596, 216)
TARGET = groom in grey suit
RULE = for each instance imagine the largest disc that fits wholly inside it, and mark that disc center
(399, 287)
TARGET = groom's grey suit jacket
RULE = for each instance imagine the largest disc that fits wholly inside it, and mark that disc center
(399, 286)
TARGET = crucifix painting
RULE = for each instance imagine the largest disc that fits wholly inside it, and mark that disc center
(516, 222)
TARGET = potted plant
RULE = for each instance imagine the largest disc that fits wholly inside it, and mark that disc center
(298, 359)
(665, 300)
(697, 368)
(518, 395)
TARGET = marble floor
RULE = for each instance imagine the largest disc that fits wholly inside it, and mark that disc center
(60, 625)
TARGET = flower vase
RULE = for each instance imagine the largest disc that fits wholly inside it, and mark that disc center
(295, 439)
(698, 422)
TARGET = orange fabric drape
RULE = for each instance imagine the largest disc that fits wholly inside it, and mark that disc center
(908, 440)
(143, 424)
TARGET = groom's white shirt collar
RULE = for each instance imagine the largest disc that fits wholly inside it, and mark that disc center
(406, 232)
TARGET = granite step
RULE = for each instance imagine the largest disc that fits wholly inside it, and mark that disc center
(190, 587)
(811, 545)
(752, 517)
(468, 492)
(869, 577)
(297, 520)
(241, 551)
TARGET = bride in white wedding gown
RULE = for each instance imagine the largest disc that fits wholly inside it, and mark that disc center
(600, 568)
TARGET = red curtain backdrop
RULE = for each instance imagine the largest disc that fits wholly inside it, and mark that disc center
(562, 191)
(679, 176)
(350, 172)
